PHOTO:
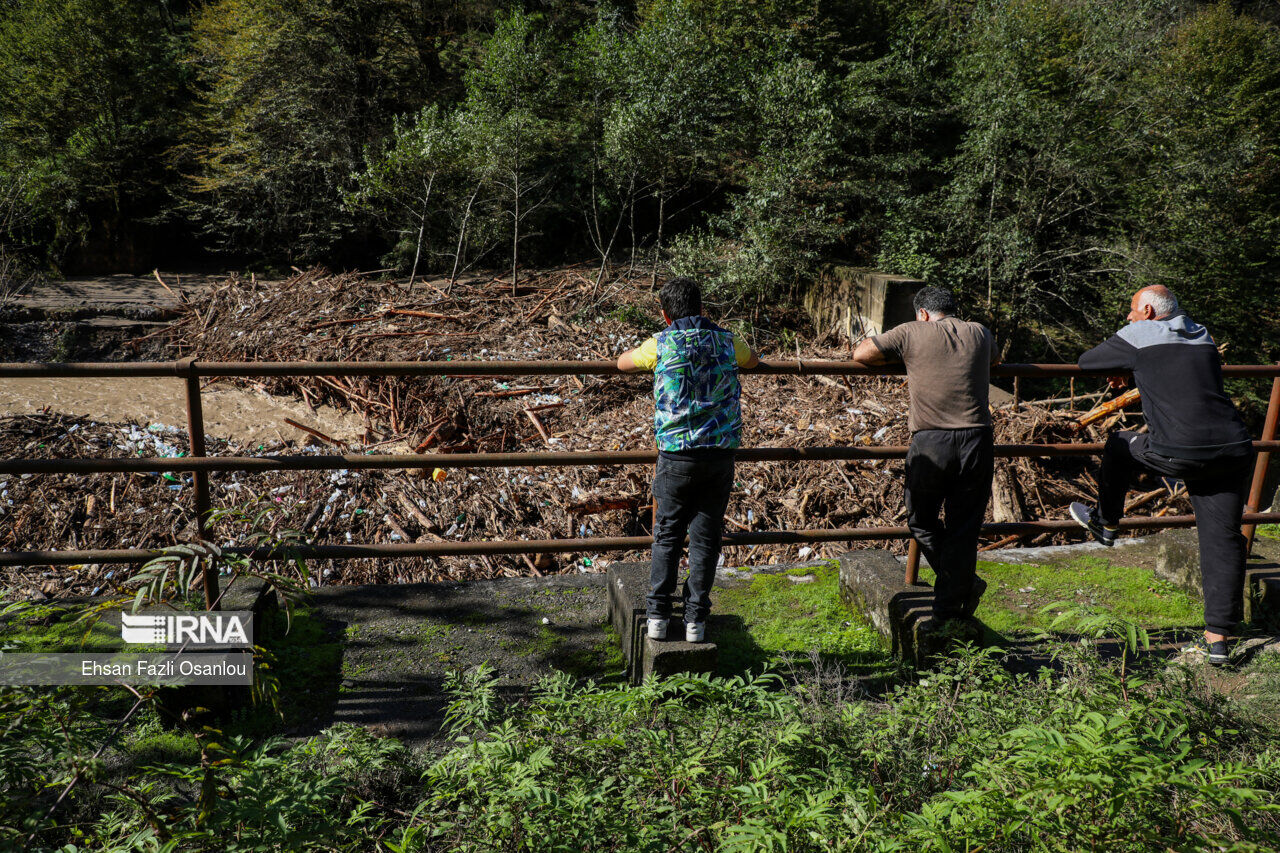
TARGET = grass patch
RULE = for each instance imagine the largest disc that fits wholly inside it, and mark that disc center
(429, 632)
(1017, 593)
(773, 616)
(602, 662)
(49, 629)
(1271, 531)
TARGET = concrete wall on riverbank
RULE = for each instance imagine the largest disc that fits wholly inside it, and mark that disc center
(860, 302)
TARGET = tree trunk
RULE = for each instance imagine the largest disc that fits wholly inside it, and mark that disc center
(422, 227)
(515, 234)
(1006, 506)
(608, 250)
(657, 245)
(462, 233)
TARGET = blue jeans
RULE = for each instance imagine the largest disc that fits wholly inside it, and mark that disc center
(690, 496)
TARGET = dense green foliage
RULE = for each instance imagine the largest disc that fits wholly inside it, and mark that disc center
(967, 757)
(1045, 157)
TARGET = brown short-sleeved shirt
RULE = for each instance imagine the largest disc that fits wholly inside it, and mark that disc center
(948, 371)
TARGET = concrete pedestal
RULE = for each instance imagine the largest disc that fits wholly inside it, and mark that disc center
(871, 582)
(628, 585)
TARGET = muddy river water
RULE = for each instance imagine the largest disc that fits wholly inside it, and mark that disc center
(237, 414)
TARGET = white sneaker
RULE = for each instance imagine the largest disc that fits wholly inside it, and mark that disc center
(658, 629)
(695, 632)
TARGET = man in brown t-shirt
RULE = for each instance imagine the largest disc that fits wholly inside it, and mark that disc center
(949, 464)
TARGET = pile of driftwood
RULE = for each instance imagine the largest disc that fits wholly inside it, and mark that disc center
(559, 315)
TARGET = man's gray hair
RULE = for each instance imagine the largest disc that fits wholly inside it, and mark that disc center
(1163, 303)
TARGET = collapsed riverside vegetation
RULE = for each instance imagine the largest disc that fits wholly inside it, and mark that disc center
(966, 757)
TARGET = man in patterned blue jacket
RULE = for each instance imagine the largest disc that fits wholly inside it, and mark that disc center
(698, 424)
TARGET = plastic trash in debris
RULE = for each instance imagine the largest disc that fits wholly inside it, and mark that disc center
(805, 552)
(439, 475)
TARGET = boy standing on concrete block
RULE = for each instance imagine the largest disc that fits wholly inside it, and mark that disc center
(698, 425)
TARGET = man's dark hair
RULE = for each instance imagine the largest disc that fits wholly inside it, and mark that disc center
(681, 297)
(935, 300)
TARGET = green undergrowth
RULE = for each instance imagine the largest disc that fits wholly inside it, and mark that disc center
(965, 757)
(306, 663)
(1271, 531)
(1017, 593)
(53, 629)
(798, 612)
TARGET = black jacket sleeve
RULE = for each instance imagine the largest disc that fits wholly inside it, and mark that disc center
(1115, 353)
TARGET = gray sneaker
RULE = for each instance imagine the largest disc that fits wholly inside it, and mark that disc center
(1215, 653)
(1086, 517)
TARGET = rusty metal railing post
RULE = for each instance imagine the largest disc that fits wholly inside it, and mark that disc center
(913, 562)
(199, 479)
(1264, 461)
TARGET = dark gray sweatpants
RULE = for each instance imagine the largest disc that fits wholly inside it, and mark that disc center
(1217, 488)
(949, 470)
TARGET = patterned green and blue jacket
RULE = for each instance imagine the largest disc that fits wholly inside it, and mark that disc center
(695, 385)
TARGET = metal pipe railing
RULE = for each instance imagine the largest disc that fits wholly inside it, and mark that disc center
(557, 546)
(199, 464)
(771, 367)
(1264, 461)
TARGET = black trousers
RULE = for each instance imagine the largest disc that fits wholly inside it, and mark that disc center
(690, 496)
(949, 470)
(1217, 488)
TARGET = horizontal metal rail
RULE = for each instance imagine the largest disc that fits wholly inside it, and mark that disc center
(559, 546)
(200, 465)
(317, 462)
(103, 370)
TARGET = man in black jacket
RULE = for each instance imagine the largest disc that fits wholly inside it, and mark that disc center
(1194, 434)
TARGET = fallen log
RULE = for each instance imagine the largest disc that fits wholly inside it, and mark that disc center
(315, 432)
(1099, 412)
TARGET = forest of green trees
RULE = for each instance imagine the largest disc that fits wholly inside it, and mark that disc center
(1043, 157)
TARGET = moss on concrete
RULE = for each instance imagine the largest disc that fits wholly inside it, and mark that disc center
(1017, 593)
(54, 629)
(792, 613)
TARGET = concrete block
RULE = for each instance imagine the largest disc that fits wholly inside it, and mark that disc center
(860, 302)
(628, 585)
(1262, 594)
(672, 656)
(871, 582)
(1178, 558)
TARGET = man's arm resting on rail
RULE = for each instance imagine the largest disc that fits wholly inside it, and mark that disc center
(1115, 353)
(866, 352)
